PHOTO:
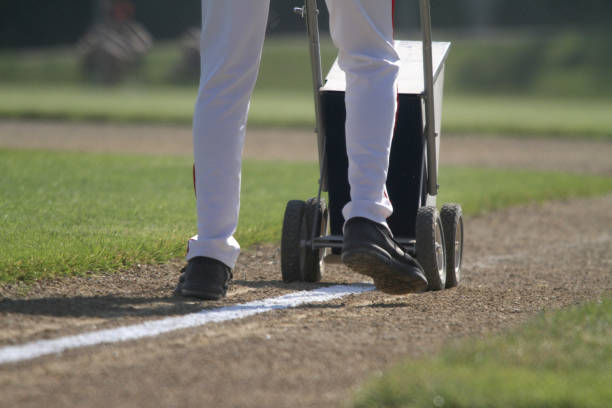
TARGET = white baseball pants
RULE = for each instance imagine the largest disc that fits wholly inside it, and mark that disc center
(232, 39)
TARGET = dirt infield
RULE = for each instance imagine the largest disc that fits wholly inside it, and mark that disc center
(287, 144)
(517, 262)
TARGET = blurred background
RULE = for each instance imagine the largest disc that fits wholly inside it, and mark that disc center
(516, 66)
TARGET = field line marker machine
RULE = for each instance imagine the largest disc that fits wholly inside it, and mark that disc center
(312, 230)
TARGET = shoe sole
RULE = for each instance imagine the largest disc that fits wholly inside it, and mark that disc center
(200, 295)
(389, 275)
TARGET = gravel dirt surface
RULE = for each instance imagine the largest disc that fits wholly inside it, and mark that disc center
(289, 144)
(518, 262)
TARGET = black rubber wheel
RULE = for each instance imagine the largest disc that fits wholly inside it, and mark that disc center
(452, 222)
(290, 241)
(315, 214)
(300, 263)
(430, 248)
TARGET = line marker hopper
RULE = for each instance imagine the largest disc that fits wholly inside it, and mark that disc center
(312, 231)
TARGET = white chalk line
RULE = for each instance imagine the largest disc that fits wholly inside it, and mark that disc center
(29, 351)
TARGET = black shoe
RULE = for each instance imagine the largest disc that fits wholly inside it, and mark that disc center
(204, 278)
(369, 249)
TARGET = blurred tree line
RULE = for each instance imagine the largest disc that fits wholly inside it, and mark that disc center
(35, 23)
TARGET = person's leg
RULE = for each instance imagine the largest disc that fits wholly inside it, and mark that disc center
(363, 32)
(233, 32)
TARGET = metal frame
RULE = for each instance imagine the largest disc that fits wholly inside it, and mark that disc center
(310, 13)
(428, 96)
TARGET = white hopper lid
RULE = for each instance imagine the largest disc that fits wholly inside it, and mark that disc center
(411, 70)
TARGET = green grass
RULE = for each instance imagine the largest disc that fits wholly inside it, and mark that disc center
(568, 63)
(520, 115)
(65, 213)
(41, 66)
(270, 108)
(69, 213)
(480, 190)
(483, 92)
(558, 63)
(285, 65)
(131, 104)
(572, 118)
(561, 359)
(141, 104)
